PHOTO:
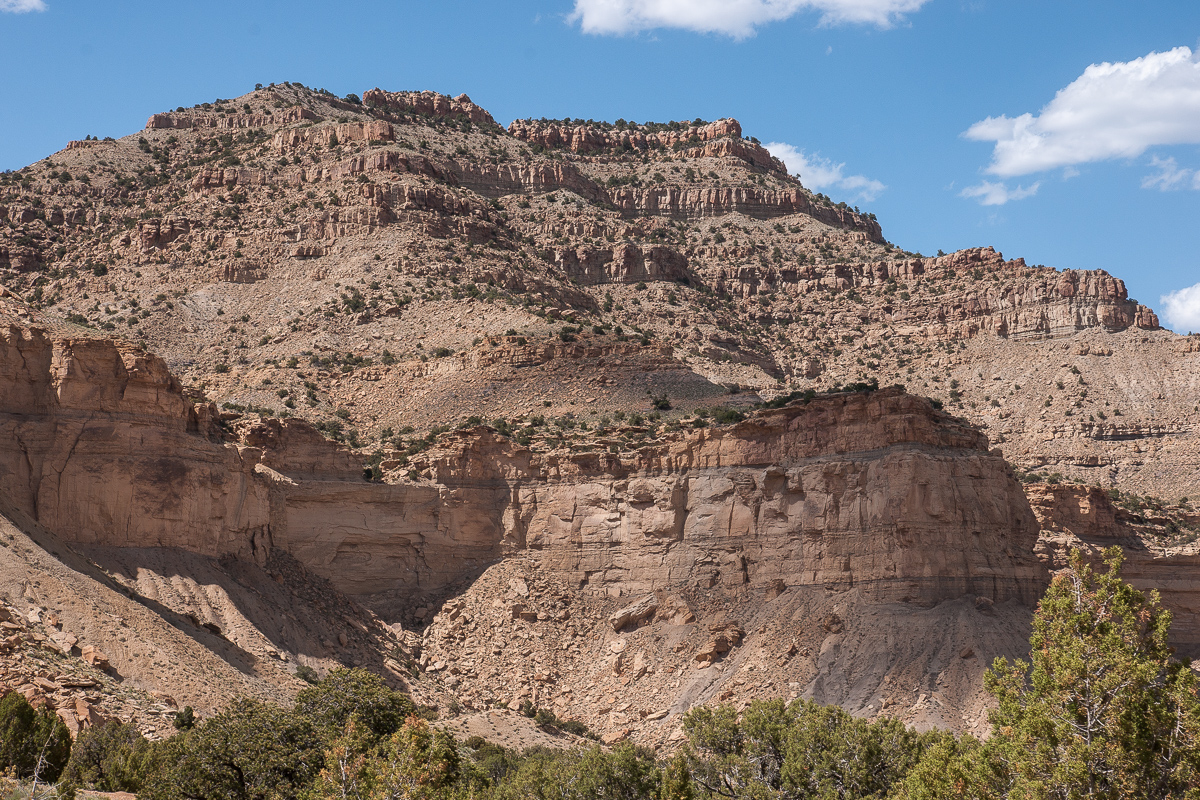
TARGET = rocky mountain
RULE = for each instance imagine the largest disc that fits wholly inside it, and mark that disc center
(578, 413)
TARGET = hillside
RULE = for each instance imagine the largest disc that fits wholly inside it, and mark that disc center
(612, 418)
(408, 262)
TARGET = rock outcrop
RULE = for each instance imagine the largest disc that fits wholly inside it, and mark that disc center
(1074, 516)
(1019, 302)
(591, 138)
(429, 104)
(625, 263)
(197, 119)
(876, 491)
(98, 444)
(291, 139)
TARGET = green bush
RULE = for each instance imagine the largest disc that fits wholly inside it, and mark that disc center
(113, 757)
(1102, 710)
(32, 741)
(800, 750)
(330, 703)
(251, 750)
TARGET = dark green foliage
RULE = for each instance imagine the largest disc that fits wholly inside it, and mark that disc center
(1102, 711)
(345, 692)
(798, 750)
(113, 757)
(185, 720)
(722, 415)
(625, 773)
(32, 741)
(307, 674)
(250, 751)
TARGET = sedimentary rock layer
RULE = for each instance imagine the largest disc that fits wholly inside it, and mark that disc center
(877, 491)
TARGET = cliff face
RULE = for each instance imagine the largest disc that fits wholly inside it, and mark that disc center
(875, 491)
(586, 138)
(1156, 556)
(97, 443)
(1046, 303)
(429, 104)
(1020, 303)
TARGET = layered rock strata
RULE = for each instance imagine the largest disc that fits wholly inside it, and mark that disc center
(1074, 516)
(876, 491)
(430, 104)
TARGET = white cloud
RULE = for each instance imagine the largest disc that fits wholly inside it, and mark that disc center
(1182, 309)
(820, 174)
(997, 194)
(1170, 176)
(737, 18)
(21, 6)
(1116, 110)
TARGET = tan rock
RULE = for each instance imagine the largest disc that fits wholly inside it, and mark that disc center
(95, 657)
(635, 613)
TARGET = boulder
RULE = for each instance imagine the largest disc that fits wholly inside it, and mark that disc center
(633, 614)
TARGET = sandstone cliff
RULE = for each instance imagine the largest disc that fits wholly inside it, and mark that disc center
(870, 490)
(875, 491)
(1158, 556)
(714, 139)
(845, 506)
(430, 104)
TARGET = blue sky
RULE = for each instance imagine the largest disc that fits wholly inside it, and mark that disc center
(872, 100)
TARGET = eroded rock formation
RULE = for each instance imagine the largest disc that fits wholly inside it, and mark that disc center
(98, 444)
(430, 104)
(876, 491)
(1084, 517)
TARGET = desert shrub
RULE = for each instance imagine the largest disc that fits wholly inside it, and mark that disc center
(330, 703)
(251, 750)
(113, 757)
(32, 741)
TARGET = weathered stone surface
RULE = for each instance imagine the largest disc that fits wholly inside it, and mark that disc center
(1084, 517)
(633, 614)
(155, 233)
(198, 119)
(845, 492)
(586, 138)
(99, 445)
(94, 656)
(724, 638)
(875, 491)
(429, 104)
(331, 135)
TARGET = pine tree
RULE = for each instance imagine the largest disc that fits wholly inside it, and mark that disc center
(1102, 710)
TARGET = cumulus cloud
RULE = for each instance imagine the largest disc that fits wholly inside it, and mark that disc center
(1170, 176)
(997, 194)
(21, 6)
(1113, 110)
(821, 174)
(737, 18)
(1182, 309)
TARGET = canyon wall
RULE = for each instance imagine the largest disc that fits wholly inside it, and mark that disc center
(873, 491)
(1016, 302)
(1084, 517)
(429, 104)
(99, 445)
(585, 138)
